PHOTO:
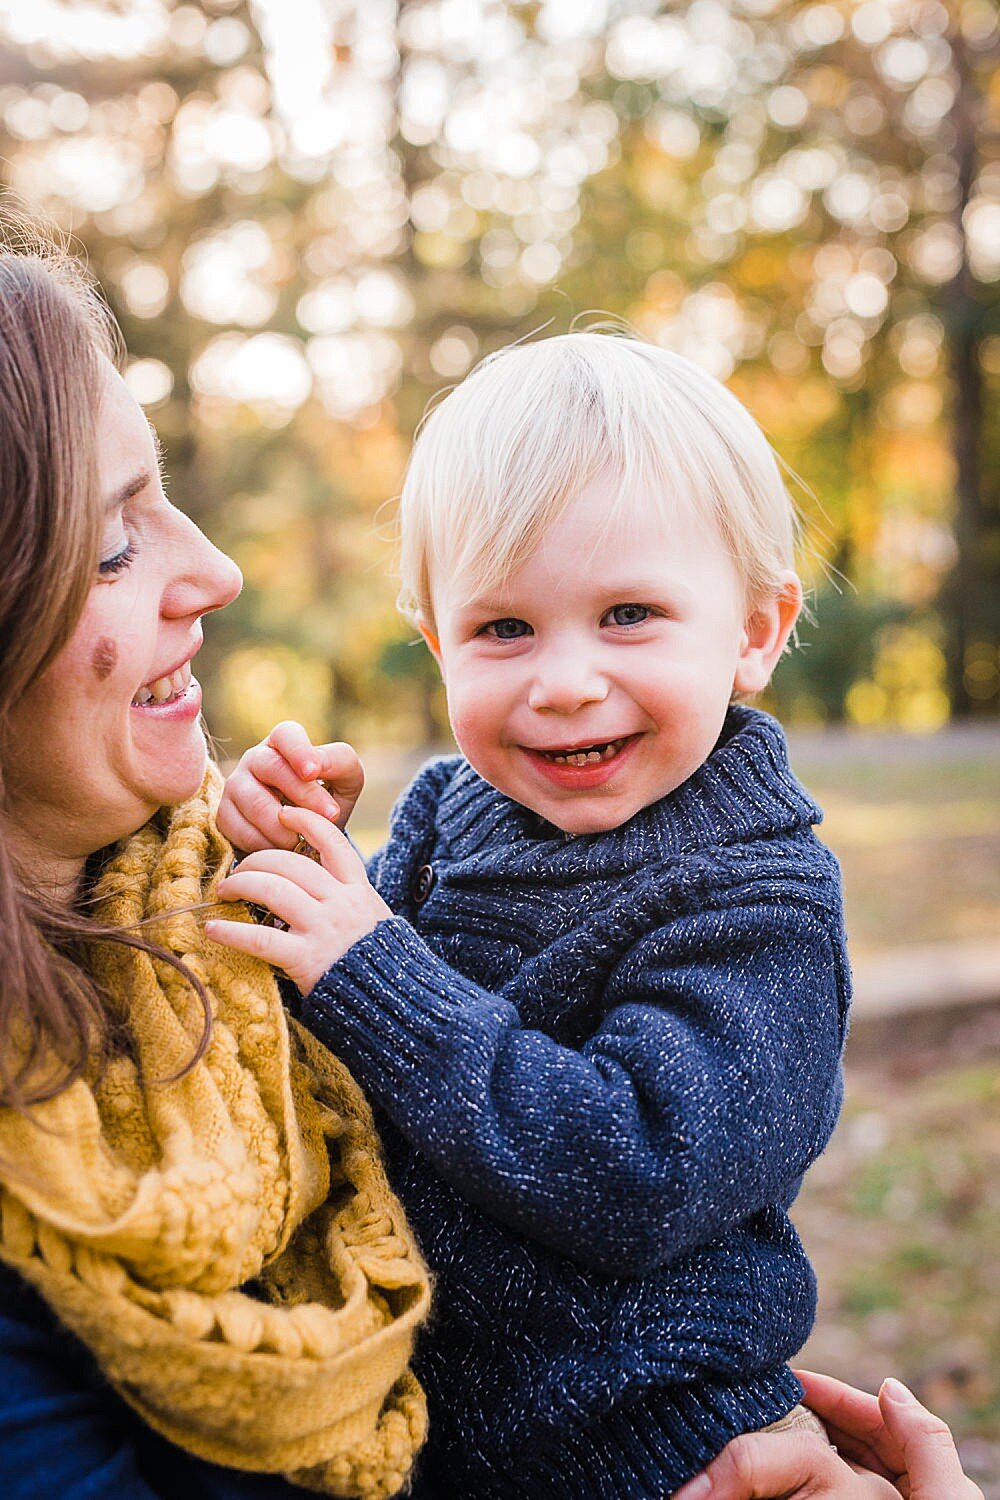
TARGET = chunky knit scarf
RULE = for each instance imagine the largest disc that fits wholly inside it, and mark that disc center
(225, 1242)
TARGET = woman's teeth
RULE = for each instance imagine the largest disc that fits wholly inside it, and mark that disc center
(164, 688)
(590, 755)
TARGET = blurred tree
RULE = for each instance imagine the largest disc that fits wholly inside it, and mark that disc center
(310, 223)
(809, 193)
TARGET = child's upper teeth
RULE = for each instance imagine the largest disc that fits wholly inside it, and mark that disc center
(586, 756)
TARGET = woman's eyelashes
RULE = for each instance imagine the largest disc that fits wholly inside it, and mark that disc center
(108, 566)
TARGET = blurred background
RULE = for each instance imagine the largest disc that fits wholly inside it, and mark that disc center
(312, 215)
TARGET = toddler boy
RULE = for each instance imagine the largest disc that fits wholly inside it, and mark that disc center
(596, 982)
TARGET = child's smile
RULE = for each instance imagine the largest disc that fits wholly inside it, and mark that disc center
(583, 766)
(598, 680)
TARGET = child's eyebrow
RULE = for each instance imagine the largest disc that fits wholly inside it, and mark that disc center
(492, 608)
(638, 589)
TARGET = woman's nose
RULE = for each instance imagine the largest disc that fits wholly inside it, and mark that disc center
(204, 578)
(565, 681)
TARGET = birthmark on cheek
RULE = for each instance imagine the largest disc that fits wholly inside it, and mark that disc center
(105, 658)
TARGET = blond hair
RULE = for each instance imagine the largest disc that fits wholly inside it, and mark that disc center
(496, 462)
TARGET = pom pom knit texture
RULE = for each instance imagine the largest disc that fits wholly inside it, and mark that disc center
(603, 1064)
(140, 1207)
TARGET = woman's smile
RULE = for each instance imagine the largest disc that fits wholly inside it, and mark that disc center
(170, 690)
(113, 725)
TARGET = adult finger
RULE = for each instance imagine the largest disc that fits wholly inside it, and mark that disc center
(285, 898)
(932, 1464)
(335, 850)
(789, 1465)
(854, 1422)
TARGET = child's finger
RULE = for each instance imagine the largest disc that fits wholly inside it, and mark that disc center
(338, 856)
(293, 743)
(283, 897)
(284, 864)
(270, 772)
(248, 799)
(341, 769)
(243, 836)
(268, 943)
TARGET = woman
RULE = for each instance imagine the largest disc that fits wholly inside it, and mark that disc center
(188, 1185)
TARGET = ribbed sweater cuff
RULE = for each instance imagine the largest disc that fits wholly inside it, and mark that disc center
(383, 1005)
(666, 1437)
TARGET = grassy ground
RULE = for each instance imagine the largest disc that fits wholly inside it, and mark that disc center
(916, 826)
(901, 1217)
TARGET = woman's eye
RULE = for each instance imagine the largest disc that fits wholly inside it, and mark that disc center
(507, 630)
(119, 562)
(629, 614)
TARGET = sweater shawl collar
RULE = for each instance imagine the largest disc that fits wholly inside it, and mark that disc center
(744, 790)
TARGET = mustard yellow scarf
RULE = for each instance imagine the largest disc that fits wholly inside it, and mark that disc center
(225, 1243)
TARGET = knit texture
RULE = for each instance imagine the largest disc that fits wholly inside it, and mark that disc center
(603, 1064)
(224, 1242)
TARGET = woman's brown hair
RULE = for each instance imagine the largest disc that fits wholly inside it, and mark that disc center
(55, 329)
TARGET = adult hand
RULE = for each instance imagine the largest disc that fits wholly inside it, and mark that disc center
(326, 907)
(287, 768)
(889, 1446)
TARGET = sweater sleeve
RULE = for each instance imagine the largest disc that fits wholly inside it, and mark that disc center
(708, 1087)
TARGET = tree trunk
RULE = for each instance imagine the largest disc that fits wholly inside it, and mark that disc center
(963, 598)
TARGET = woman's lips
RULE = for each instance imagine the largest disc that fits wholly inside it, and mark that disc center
(185, 704)
(600, 762)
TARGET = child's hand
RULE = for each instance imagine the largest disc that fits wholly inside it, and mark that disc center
(287, 767)
(326, 907)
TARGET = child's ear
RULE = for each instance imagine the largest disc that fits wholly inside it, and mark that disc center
(765, 636)
(433, 644)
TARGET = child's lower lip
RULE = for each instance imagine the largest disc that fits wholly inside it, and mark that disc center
(581, 778)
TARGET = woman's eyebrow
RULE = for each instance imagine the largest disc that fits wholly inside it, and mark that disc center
(128, 490)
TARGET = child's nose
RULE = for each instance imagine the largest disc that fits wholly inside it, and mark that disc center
(564, 682)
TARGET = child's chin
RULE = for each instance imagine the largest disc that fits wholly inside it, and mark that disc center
(586, 820)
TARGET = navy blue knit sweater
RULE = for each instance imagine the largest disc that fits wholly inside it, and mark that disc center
(602, 1065)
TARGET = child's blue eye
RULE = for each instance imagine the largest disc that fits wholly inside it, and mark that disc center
(629, 614)
(119, 562)
(507, 630)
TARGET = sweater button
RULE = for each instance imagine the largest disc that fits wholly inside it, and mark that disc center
(423, 884)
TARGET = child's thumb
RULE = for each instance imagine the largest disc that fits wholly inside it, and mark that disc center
(933, 1466)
